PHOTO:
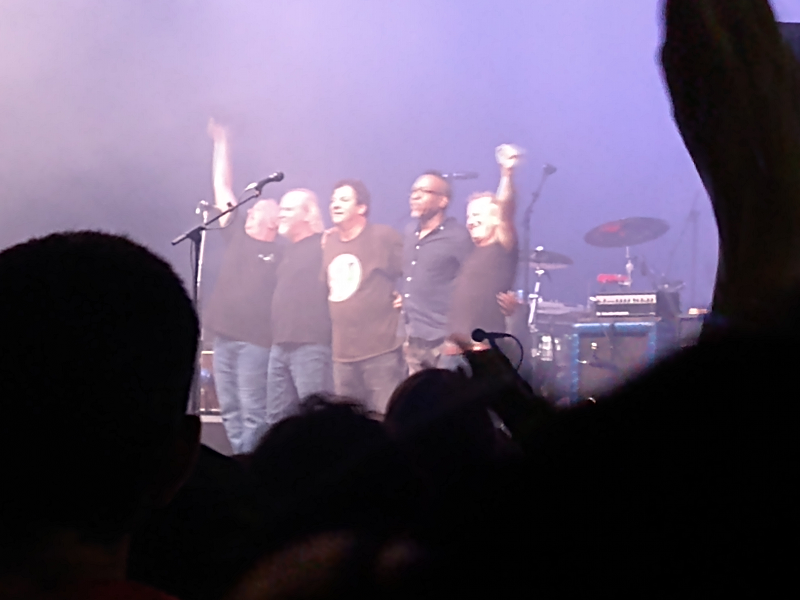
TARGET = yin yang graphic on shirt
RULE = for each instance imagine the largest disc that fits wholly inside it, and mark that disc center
(344, 277)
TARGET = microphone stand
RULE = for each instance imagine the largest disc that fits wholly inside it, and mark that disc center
(526, 237)
(693, 215)
(197, 236)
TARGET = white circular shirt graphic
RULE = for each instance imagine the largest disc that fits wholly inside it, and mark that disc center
(344, 277)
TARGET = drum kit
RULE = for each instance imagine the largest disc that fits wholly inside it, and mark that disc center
(548, 322)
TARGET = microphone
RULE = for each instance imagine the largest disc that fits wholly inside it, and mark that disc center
(258, 185)
(549, 169)
(479, 335)
(465, 175)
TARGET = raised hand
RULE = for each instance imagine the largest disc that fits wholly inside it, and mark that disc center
(506, 393)
(507, 156)
(508, 303)
(216, 131)
(735, 89)
(397, 300)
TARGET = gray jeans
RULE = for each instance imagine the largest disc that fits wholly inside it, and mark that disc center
(371, 380)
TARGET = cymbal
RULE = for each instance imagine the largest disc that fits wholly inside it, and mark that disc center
(626, 232)
(545, 260)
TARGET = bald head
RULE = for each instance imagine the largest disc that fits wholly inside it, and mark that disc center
(483, 218)
(262, 220)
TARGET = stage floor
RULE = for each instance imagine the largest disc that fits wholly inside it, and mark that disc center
(213, 435)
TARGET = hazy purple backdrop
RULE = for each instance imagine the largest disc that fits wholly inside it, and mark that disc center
(104, 105)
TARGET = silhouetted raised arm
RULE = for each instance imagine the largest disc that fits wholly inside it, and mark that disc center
(735, 89)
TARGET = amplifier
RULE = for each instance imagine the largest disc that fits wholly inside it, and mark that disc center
(607, 352)
(636, 304)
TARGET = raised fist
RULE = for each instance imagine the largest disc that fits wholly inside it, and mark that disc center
(217, 132)
(508, 156)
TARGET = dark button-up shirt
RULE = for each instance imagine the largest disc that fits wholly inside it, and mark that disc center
(430, 266)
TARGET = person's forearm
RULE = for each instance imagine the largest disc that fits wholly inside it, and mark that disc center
(222, 178)
(505, 200)
(506, 195)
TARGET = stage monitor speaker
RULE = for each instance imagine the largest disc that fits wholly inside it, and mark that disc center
(689, 328)
(606, 354)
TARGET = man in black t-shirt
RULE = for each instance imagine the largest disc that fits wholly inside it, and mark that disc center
(491, 268)
(300, 358)
(239, 308)
(362, 262)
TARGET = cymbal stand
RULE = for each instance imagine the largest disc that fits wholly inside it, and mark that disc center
(534, 299)
(547, 170)
(628, 266)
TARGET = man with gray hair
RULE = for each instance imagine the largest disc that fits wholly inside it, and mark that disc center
(300, 361)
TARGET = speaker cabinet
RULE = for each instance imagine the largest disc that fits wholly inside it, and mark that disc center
(605, 354)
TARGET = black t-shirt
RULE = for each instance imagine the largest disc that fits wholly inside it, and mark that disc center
(361, 276)
(241, 303)
(488, 271)
(300, 304)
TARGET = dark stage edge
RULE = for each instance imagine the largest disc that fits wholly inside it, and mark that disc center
(212, 434)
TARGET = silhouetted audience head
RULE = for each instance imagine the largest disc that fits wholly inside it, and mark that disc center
(331, 466)
(440, 427)
(100, 340)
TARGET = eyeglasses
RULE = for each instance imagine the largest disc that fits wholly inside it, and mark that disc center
(426, 191)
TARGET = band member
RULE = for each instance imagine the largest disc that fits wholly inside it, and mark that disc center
(239, 308)
(434, 250)
(300, 358)
(490, 269)
(362, 262)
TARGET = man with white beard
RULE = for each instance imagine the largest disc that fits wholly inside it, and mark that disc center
(300, 357)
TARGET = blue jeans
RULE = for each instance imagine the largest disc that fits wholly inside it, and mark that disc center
(240, 377)
(295, 372)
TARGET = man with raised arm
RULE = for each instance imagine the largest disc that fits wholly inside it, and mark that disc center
(434, 249)
(239, 309)
(491, 267)
(362, 262)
